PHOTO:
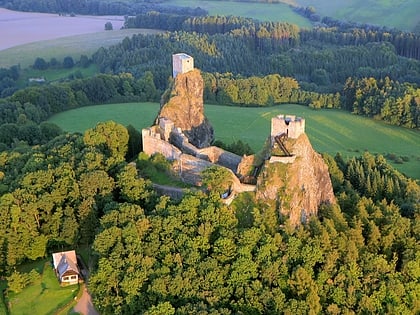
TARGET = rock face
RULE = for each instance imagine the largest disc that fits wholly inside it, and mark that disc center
(185, 108)
(297, 184)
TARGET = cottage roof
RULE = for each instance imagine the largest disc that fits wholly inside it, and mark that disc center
(65, 261)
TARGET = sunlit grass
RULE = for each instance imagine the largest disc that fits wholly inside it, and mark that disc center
(256, 10)
(329, 131)
(43, 296)
(401, 14)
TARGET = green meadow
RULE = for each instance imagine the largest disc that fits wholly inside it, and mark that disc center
(329, 131)
(44, 295)
(72, 46)
(401, 14)
(257, 10)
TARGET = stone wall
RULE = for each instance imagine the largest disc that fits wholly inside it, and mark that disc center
(282, 159)
(291, 125)
(152, 143)
(221, 157)
(181, 63)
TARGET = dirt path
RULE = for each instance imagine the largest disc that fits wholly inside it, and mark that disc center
(85, 306)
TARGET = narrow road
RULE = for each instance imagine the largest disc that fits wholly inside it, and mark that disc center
(85, 306)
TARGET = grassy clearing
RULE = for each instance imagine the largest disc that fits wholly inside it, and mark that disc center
(51, 75)
(43, 296)
(330, 131)
(139, 115)
(261, 11)
(72, 46)
(401, 14)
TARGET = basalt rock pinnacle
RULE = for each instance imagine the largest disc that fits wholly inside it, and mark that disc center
(185, 108)
(299, 186)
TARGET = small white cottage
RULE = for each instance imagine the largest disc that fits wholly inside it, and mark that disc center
(65, 266)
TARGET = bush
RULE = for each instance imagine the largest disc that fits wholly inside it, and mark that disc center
(18, 281)
(40, 64)
(108, 26)
(68, 62)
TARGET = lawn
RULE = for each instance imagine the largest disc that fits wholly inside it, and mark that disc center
(330, 131)
(44, 296)
(261, 11)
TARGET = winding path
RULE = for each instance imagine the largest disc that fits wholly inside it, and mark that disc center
(85, 306)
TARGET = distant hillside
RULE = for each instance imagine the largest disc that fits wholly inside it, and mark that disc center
(401, 14)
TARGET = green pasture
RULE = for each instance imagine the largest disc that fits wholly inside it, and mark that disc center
(51, 75)
(257, 10)
(72, 46)
(401, 14)
(330, 131)
(44, 296)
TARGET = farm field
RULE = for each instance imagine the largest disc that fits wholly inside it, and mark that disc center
(401, 14)
(73, 46)
(261, 11)
(330, 131)
(20, 28)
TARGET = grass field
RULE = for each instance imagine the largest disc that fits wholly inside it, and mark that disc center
(73, 46)
(261, 11)
(401, 14)
(43, 296)
(330, 131)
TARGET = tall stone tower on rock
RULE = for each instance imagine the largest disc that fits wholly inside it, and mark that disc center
(185, 106)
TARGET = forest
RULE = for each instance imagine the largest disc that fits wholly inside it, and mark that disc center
(156, 255)
(161, 256)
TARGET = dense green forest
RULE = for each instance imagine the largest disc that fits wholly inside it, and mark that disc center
(160, 256)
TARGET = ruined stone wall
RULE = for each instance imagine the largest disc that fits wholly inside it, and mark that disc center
(221, 157)
(282, 159)
(189, 168)
(152, 143)
(291, 125)
(166, 126)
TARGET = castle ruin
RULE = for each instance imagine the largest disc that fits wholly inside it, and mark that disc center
(290, 125)
(181, 63)
(171, 134)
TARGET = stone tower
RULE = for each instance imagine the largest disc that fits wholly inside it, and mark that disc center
(181, 63)
(291, 125)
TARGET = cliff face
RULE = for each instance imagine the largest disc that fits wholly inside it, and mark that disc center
(297, 188)
(186, 109)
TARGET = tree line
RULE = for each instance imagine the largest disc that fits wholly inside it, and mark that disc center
(387, 100)
(97, 7)
(227, 89)
(317, 69)
(22, 113)
(281, 34)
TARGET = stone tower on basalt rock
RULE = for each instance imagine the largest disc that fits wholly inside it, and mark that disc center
(290, 125)
(181, 63)
(299, 182)
(185, 105)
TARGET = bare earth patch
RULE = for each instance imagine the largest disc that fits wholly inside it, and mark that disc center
(18, 28)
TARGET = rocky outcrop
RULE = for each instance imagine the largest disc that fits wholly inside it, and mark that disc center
(185, 108)
(297, 187)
